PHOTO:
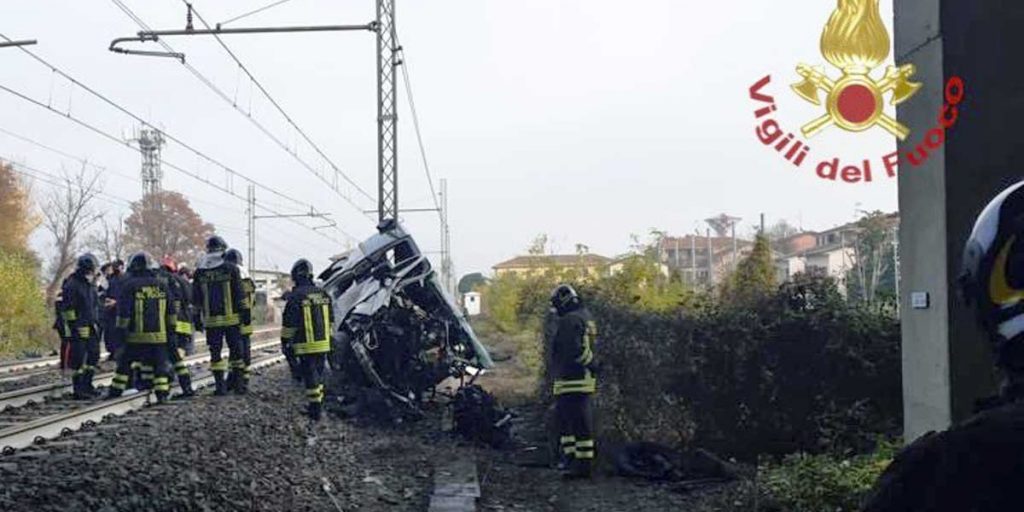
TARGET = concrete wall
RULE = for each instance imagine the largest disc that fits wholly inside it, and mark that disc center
(946, 364)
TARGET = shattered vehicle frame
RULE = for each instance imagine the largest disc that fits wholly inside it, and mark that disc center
(397, 332)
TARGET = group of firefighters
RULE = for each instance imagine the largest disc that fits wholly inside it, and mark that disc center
(146, 315)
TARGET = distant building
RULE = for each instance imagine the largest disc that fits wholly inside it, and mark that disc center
(618, 264)
(698, 259)
(471, 303)
(832, 252)
(590, 265)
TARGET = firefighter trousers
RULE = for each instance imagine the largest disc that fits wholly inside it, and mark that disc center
(575, 428)
(84, 354)
(312, 367)
(149, 355)
(216, 337)
(176, 356)
(239, 363)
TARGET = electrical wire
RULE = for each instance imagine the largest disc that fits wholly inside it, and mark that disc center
(101, 168)
(250, 13)
(231, 172)
(277, 105)
(416, 126)
(182, 170)
(223, 95)
(144, 122)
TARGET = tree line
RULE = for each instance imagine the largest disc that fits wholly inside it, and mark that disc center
(72, 213)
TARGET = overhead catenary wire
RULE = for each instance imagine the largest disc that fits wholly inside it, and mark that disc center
(248, 115)
(145, 122)
(416, 127)
(250, 13)
(102, 168)
(277, 105)
(180, 169)
(231, 172)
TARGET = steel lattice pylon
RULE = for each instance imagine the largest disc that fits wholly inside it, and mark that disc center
(387, 112)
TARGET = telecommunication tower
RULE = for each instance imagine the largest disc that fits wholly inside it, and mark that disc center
(150, 142)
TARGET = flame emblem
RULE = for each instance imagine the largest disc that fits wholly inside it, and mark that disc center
(855, 41)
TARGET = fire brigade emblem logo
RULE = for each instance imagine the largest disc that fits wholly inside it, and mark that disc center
(856, 42)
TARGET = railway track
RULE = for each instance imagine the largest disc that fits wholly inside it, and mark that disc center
(27, 368)
(40, 419)
(39, 394)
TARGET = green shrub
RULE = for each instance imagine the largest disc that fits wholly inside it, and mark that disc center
(799, 371)
(24, 319)
(822, 483)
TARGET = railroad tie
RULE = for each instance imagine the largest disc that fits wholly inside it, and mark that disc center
(456, 486)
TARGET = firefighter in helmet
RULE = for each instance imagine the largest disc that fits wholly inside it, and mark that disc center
(217, 292)
(976, 465)
(306, 333)
(146, 316)
(573, 365)
(79, 309)
(238, 376)
(180, 334)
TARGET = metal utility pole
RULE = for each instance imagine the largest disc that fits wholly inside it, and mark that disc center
(387, 112)
(693, 258)
(251, 210)
(734, 246)
(251, 227)
(150, 143)
(711, 261)
(446, 248)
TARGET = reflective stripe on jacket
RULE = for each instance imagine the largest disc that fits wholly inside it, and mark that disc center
(308, 320)
(573, 353)
(217, 291)
(145, 309)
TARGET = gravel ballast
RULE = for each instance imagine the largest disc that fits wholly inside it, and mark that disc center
(253, 452)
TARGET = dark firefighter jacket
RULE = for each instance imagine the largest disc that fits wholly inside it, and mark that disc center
(113, 288)
(79, 307)
(308, 319)
(573, 353)
(249, 294)
(217, 292)
(145, 308)
(181, 296)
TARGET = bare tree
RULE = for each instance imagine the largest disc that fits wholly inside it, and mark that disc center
(68, 214)
(108, 240)
(872, 253)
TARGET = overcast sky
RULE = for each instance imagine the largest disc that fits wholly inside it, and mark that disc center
(585, 119)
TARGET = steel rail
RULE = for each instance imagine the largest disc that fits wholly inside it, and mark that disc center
(16, 366)
(57, 425)
(37, 394)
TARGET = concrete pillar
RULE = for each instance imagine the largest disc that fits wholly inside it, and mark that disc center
(946, 362)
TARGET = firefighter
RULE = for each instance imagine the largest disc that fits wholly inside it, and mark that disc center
(238, 377)
(185, 275)
(61, 326)
(217, 292)
(286, 349)
(572, 357)
(109, 304)
(976, 465)
(146, 316)
(306, 332)
(79, 310)
(181, 332)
